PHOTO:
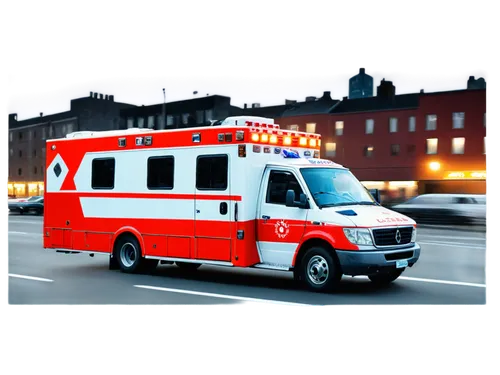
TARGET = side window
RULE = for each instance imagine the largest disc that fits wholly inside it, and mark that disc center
(462, 200)
(161, 172)
(103, 173)
(279, 183)
(211, 172)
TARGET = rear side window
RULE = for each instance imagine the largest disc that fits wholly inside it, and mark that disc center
(279, 183)
(161, 172)
(103, 173)
(211, 172)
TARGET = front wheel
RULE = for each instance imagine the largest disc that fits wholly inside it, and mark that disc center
(320, 270)
(386, 278)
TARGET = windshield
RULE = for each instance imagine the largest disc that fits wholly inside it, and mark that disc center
(335, 187)
(33, 199)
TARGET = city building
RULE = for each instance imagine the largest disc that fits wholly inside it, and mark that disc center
(361, 85)
(406, 144)
(27, 138)
(179, 114)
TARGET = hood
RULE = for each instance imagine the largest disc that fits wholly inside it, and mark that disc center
(364, 216)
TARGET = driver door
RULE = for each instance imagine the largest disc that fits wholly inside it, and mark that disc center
(279, 228)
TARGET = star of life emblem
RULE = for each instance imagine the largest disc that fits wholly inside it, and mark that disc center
(281, 228)
(398, 236)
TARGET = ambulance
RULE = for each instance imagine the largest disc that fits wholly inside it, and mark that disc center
(240, 193)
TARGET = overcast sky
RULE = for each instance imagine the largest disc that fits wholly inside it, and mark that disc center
(266, 92)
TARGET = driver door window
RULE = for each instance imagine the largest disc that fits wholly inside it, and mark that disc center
(279, 183)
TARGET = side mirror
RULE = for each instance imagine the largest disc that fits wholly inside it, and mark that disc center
(290, 200)
(375, 194)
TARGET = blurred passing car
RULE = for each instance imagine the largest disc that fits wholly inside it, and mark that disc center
(33, 204)
(445, 208)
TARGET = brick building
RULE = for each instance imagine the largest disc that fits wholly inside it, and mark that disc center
(405, 144)
(27, 138)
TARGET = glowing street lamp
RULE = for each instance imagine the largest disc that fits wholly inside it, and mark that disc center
(434, 166)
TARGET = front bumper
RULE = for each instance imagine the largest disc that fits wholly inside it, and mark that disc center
(371, 262)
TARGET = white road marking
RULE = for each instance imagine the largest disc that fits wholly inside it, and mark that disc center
(453, 237)
(30, 278)
(434, 281)
(452, 244)
(25, 233)
(225, 296)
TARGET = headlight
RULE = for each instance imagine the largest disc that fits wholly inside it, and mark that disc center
(414, 235)
(358, 236)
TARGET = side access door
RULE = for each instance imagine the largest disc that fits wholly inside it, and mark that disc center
(279, 228)
(212, 227)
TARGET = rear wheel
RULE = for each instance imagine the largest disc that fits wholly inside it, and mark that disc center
(319, 270)
(188, 266)
(386, 278)
(129, 257)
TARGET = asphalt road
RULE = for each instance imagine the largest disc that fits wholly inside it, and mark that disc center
(451, 270)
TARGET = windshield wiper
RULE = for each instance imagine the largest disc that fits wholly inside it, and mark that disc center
(367, 203)
(352, 201)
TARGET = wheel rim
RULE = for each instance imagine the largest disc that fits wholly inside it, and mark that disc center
(128, 254)
(317, 270)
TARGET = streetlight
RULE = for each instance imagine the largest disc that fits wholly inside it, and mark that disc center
(434, 166)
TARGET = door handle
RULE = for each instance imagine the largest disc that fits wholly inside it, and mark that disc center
(266, 218)
(223, 208)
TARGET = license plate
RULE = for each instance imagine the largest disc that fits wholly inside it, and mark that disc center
(401, 263)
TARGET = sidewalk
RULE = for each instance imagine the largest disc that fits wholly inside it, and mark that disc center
(464, 228)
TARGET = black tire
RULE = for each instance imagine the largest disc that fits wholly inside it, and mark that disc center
(188, 266)
(385, 278)
(127, 252)
(319, 270)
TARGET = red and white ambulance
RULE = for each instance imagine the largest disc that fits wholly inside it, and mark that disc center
(239, 193)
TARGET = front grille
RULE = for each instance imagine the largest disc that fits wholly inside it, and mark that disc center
(387, 236)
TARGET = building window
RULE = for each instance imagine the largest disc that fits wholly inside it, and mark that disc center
(458, 120)
(11, 152)
(393, 124)
(20, 171)
(311, 128)
(43, 151)
(458, 146)
(412, 124)
(339, 127)
(209, 115)
(199, 117)
(35, 170)
(431, 146)
(369, 126)
(103, 173)
(140, 122)
(331, 149)
(69, 129)
(161, 172)
(294, 128)
(20, 135)
(34, 134)
(10, 136)
(130, 122)
(20, 153)
(185, 118)
(394, 150)
(431, 122)
(170, 120)
(151, 122)
(211, 172)
(44, 133)
(368, 151)
(159, 121)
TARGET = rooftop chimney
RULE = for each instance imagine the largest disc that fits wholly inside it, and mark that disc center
(245, 106)
(41, 114)
(361, 70)
(100, 96)
(422, 91)
(386, 89)
(95, 95)
(106, 97)
(310, 98)
(344, 98)
(290, 102)
(91, 93)
(256, 105)
(326, 95)
(111, 98)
